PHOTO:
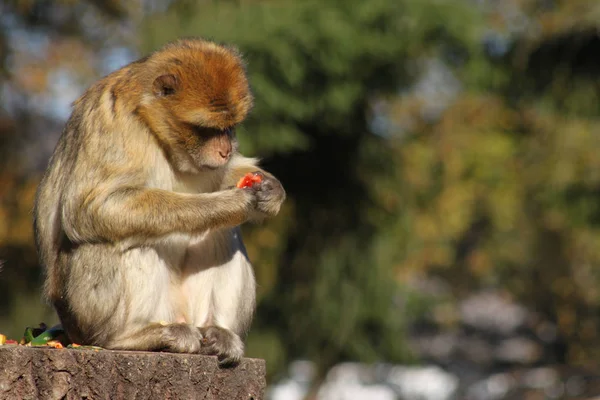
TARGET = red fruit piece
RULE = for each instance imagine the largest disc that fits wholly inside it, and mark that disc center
(248, 180)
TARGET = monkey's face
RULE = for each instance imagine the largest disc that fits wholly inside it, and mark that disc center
(208, 147)
(204, 94)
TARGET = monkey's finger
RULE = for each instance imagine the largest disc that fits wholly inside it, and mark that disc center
(267, 185)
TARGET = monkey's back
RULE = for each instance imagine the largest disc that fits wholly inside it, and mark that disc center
(78, 154)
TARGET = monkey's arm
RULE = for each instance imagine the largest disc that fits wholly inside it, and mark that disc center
(270, 194)
(144, 213)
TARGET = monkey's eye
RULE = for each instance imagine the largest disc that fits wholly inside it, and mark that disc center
(167, 91)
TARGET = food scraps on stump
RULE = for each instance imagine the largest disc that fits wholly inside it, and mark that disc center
(41, 336)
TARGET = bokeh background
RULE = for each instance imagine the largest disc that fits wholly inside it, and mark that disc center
(441, 238)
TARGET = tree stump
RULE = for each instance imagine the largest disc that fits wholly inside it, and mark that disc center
(47, 373)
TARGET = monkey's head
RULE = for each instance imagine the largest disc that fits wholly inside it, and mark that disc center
(199, 94)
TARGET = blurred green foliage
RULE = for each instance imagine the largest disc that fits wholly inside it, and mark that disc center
(496, 187)
(313, 80)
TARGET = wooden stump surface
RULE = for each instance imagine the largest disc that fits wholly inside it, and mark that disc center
(46, 373)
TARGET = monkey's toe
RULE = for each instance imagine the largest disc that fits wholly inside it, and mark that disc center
(223, 343)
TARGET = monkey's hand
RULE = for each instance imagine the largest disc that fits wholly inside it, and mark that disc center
(269, 196)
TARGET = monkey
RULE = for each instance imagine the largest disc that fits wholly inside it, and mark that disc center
(137, 216)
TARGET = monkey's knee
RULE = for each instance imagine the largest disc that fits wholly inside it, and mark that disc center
(223, 343)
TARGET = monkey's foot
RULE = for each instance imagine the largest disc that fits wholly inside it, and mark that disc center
(181, 338)
(172, 338)
(221, 342)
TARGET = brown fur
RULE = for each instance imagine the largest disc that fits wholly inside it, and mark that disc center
(135, 219)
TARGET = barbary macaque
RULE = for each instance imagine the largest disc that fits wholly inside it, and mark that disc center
(137, 216)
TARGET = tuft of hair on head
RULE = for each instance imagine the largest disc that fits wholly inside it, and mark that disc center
(207, 82)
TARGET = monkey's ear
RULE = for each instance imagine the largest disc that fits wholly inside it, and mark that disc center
(165, 85)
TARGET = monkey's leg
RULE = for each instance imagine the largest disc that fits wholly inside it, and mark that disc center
(117, 300)
(225, 315)
(152, 297)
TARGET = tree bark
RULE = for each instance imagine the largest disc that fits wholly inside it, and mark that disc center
(46, 373)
